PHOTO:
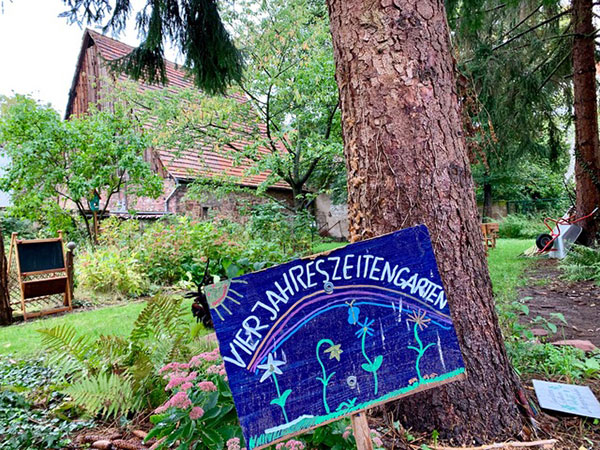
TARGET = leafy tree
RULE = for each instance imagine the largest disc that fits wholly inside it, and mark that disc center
(56, 164)
(286, 105)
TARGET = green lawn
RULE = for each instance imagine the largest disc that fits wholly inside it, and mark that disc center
(506, 266)
(23, 339)
(325, 246)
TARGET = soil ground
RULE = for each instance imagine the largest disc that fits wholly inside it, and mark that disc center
(578, 302)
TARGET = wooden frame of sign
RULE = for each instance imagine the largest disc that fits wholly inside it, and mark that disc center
(41, 257)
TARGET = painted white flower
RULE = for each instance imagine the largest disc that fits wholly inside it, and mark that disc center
(270, 367)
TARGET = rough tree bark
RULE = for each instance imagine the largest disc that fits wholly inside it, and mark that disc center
(5, 309)
(407, 164)
(587, 143)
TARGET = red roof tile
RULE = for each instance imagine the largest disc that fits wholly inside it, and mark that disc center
(194, 162)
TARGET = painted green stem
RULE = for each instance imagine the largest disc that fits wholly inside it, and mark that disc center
(369, 360)
(325, 379)
(279, 396)
(420, 352)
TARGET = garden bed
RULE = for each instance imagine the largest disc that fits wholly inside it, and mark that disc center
(579, 302)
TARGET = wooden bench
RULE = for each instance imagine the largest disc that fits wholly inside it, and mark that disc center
(490, 234)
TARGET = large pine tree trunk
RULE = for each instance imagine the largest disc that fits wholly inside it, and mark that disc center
(407, 164)
(5, 309)
(587, 144)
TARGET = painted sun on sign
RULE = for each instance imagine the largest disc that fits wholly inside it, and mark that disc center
(320, 338)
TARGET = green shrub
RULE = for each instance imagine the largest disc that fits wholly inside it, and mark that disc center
(169, 249)
(294, 233)
(582, 263)
(31, 415)
(11, 224)
(177, 249)
(108, 269)
(113, 376)
(521, 227)
(553, 361)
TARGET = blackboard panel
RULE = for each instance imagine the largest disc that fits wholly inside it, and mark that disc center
(40, 256)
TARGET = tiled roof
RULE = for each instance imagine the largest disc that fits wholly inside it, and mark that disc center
(194, 162)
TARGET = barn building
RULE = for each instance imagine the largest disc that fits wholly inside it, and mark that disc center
(178, 168)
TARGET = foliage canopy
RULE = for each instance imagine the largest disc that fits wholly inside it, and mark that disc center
(282, 118)
(53, 163)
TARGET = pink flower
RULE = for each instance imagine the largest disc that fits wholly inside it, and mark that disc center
(347, 433)
(185, 386)
(161, 409)
(207, 386)
(376, 437)
(196, 413)
(215, 369)
(233, 444)
(206, 356)
(174, 366)
(179, 400)
(179, 380)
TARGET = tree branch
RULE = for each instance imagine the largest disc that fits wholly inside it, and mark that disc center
(529, 30)
(521, 22)
(330, 121)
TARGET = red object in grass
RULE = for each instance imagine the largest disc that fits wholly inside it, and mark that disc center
(545, 242)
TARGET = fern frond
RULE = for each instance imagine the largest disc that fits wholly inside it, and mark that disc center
(582, 263)
(143, 379)
(112, 350)
(162, 316)
(67, 348)
(108, 394)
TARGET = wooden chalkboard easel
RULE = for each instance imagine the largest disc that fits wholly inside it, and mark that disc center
(42, 271)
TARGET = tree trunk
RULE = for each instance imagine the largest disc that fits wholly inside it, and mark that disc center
(587, 144)
(5, 309)
(487, 200)
(407, 164)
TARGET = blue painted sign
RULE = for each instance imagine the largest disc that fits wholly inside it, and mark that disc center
(323, 337)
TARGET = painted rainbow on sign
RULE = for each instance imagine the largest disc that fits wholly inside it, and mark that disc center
(278, 333)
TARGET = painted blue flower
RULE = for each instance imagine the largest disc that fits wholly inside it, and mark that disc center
(365, 328)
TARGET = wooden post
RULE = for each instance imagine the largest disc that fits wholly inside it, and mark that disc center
(95, 214)
(70, 272)
(362, 432)
(20, 278)
(5, 306)
(13, 239)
